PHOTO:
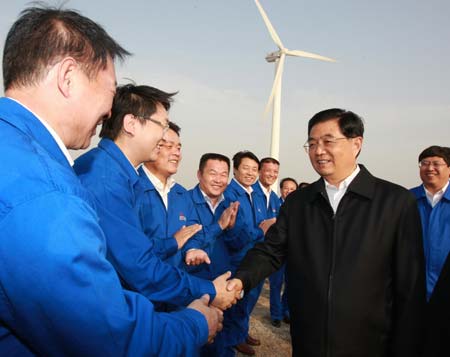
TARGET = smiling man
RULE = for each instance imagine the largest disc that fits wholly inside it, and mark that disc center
(167, 207)
(353, 247)
(251, 224)
(433, 200)
(216, 213)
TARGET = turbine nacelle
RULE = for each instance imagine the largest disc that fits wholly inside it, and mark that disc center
(273, 56)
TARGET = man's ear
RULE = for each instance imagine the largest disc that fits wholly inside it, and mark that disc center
(357, 145)
(129, 124)
(199, 175)
(66, 75)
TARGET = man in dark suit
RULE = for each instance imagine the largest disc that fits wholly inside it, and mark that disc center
(353, 249)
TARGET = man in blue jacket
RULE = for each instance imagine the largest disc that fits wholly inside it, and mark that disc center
(59, 293)
(167, 207)
(433, 200)
(131, 136)
(216, 214)
(250, 227)
(268, 175)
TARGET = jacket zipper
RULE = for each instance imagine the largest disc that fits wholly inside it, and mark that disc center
(329, 332)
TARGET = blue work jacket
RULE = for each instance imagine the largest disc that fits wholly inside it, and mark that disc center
(118, 191)
(215, 236)
(160, 224)
(274, 201)
(246, 231)
(435, 232)
(59, 295)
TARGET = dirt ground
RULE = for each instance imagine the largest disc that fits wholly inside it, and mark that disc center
(275, 342)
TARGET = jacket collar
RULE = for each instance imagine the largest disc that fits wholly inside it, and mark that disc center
(21, 118)
(197, 195)
(238, 188)
(363, 185)
(114, 151)
(447, 193)
(420, 193)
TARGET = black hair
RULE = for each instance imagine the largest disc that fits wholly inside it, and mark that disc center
(288, 179)
(237, 158)
(140, 101)
(212, 156)
(439, 151)
(268, 160)
(43, 35)
(350, 124)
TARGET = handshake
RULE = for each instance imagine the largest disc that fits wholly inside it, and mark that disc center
(228, 292)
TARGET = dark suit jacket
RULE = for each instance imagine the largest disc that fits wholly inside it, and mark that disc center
(356, 278)
(438, 316)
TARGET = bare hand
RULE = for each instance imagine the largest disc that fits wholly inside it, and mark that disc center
(185, 233)
(228, 217)
(213, 315)
(266, 224)
(235, 208)
(197, 257)
(224, 298)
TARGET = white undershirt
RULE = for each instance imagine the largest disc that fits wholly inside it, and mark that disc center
(266, 193)
(335, 194)
(209, 202)
(162, 189)
(434, 199)
(249, 189)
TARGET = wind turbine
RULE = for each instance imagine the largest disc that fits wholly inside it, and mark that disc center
(275, 95)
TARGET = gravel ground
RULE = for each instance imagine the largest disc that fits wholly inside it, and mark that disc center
(275, 342)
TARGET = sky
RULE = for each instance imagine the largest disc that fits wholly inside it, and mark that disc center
(392, 69)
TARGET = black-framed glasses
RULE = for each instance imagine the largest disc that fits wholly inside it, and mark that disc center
(436, 164)
(165, 127)
(327, 142)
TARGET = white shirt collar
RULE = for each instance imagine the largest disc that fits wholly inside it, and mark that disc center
(52, 132)
(335, 194)
(266, 192)
(435, 198)
(249, 190)
(209, 202)
(159, 186)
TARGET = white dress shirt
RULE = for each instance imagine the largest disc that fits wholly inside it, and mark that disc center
(162, 189)
(335, 194)
(434, 199)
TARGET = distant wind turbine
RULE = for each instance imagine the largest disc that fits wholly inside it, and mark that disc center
(275, 95)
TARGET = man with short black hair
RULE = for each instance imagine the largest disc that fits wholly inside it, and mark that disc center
(433, 200)
(167, 207)
(216, 213)
(250, 226)
(353, 248)
(287, 185)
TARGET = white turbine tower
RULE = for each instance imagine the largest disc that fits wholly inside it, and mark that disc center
(275, 95)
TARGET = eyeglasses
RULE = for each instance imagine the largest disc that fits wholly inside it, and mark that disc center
(436, 164)
(327, 142)
(165, 127)
(168, 145)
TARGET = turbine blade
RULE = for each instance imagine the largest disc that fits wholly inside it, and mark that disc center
(269, 26)
(276, 83)
(298, 53)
